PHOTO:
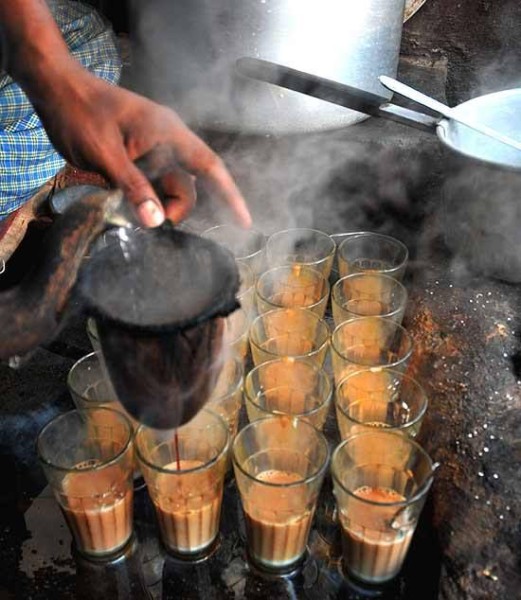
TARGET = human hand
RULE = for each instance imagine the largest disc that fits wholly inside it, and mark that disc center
(99, 127)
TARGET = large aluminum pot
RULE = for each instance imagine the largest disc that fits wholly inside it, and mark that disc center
(195, 43)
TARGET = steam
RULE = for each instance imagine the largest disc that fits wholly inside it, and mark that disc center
(191, 48)
(325, 181)
(480, 222)
(287, 181)
(479, 214)
(501, 70)
(338, 181)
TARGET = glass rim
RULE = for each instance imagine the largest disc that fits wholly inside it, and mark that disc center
(251, 230)
(350, 236)
(390, 365)
(402, 376)
(97, 467)
(322, 234)
(238, 380)
(319, 321)
(325, 293)
(421, 491)
(301, 422)
(91, 321)
(94, 354)
(363, 274)
(179, 472)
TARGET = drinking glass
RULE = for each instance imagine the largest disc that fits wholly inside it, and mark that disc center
(290, 386)
(227, 395)
(247, 245)
(368, 295)
(366, 251)
(295, 286)
(90, 386)
(369, 342)
(380, 480)
(184, 471)
(236, 329)
(301, 246)
(294, 332)
(87, 457)
(279, 465)
(389, 399)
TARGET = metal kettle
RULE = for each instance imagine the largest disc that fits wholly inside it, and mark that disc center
(159, 297)
(31, 312)
(196, 44)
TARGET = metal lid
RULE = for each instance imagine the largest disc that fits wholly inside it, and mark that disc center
(154, 280)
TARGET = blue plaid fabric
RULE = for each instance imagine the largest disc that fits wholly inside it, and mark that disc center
(27, 157)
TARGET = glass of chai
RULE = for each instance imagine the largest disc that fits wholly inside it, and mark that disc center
(372, 343)
(247, 245)
(386, 399)
(292, 286)
(184, 471)
(87, 457)
(368, 295)
(308, 247)
(290, 386)
(279, 465)
(380, 481)
(366, 251)
(295, 332)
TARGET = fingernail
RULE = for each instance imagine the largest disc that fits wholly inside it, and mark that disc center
(150, 214)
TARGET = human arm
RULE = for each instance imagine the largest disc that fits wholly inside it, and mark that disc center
(100, 127)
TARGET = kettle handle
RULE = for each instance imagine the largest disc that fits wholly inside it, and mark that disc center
(31, 311)
(333, 91)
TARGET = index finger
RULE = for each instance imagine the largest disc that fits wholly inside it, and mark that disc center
(217, 177)
(197, 158)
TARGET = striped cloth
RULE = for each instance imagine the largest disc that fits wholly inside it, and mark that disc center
(27, 157)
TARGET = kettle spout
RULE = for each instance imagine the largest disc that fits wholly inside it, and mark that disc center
(32, 311)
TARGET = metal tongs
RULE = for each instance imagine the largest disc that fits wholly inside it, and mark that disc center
(498, 112)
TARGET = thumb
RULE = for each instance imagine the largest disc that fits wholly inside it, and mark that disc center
(137, 189)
